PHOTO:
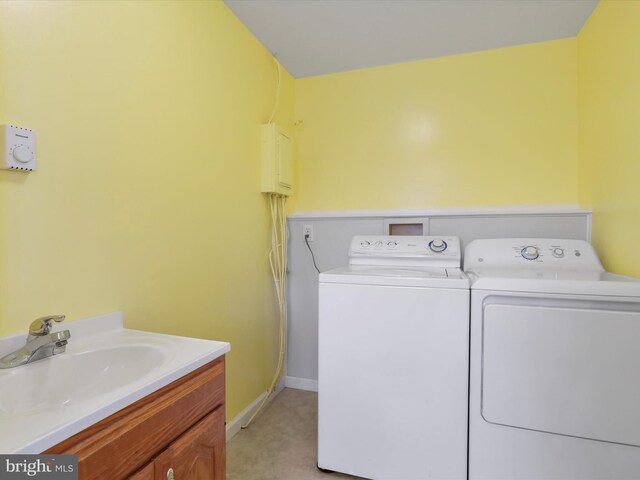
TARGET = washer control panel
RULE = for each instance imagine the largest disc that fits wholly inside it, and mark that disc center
(405, 250)
(536, 253)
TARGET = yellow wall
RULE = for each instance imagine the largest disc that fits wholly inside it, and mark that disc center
(147, 194)
(146, 198)
(609, 100)
(497, 127)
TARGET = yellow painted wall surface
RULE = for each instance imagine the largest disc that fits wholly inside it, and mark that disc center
(146, 198)
(497, 127)
(147, 194)
(609, 102)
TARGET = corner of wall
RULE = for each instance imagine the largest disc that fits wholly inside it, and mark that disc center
(609, 102)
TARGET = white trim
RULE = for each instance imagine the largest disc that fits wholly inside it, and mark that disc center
(301, 383)
(440, 212)
(235, 425)
(281, 386)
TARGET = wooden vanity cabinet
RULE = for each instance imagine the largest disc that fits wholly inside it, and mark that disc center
(178, 429)
(199, 453)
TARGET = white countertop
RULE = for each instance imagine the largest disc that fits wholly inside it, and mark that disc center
(106, 367)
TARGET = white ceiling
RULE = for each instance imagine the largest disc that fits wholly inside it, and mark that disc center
(314, 37)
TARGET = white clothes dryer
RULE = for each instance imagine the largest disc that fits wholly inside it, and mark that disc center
(554, 361)
(393, 360)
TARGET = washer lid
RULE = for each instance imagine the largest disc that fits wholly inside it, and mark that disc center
(559, 282)
(397, 276)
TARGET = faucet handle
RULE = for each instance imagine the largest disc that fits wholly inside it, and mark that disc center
(42, 325)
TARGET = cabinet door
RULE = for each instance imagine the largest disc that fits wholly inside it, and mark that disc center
(199, 454)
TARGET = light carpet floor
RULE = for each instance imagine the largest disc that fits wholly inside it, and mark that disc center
(281, 443)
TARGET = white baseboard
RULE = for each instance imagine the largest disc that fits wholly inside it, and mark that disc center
(235, 425)
(301, 383)
(281, 386)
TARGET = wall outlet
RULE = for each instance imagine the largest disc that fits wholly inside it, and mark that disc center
(307, 229)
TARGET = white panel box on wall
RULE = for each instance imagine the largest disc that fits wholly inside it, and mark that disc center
(18, 146)
(277, 160)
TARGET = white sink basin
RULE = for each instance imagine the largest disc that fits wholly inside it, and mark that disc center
(70, 377)
(105, 368)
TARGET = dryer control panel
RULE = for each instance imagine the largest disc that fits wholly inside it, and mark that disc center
(405, 250)
(531, 253)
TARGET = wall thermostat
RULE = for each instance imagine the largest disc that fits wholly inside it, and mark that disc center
(18, 146)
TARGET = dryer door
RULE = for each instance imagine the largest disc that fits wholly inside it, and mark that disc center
(567, 371)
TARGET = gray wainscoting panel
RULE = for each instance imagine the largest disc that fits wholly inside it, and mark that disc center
(330, 246)
(469, 228)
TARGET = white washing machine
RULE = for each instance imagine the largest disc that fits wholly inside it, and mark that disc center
(555, 362)
(393, 360)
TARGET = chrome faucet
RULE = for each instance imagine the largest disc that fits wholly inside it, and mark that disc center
(41, 343)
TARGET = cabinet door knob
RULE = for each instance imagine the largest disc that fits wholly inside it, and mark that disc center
(170, 474)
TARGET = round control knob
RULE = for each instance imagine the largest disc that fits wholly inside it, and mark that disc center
(437, 245)
(558, 252)
(22, 154)
(392, 244)
(530, 252)
(365, 244)
(378, 244)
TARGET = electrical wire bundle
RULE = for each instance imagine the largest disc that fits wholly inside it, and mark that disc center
(278, 264)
